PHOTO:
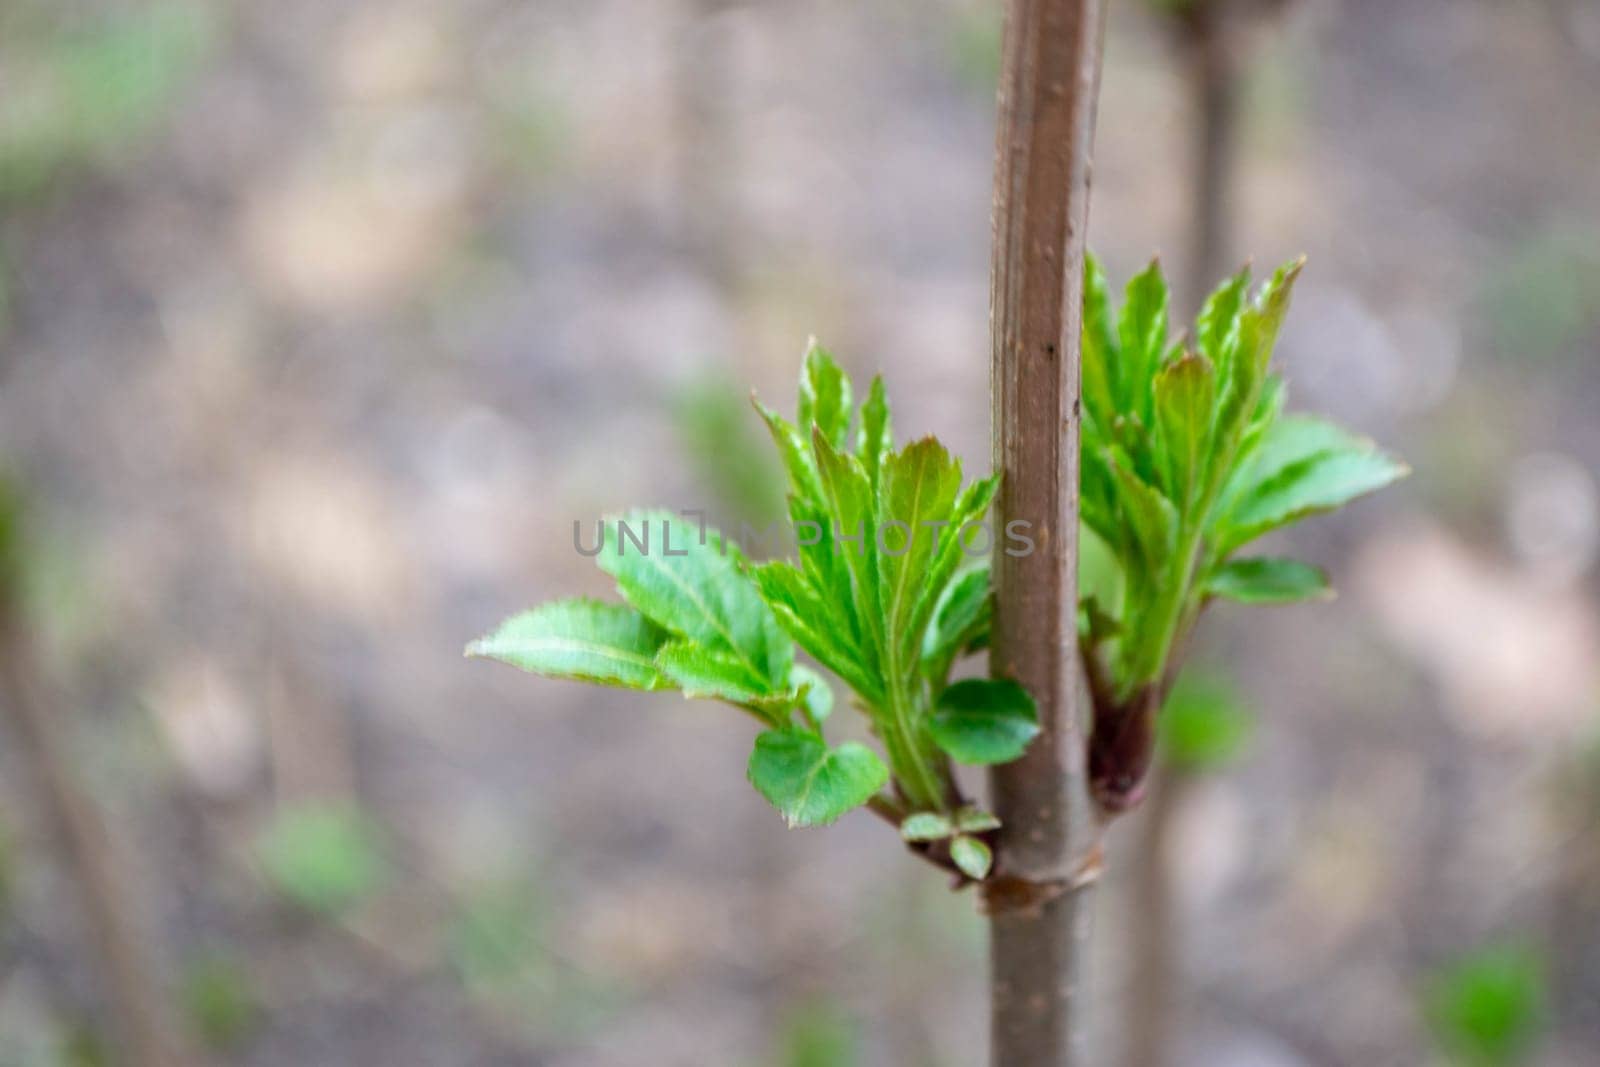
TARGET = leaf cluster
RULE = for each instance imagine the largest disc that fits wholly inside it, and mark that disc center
(1187, 458)
(882, 591)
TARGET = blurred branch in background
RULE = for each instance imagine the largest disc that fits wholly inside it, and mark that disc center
(1212, 39)
(1203, 728)
(131, 983)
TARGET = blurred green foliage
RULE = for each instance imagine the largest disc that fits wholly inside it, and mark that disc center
(494, 940)
(78, 91)
(13, 540)
(1487, 1009)
(498, 944)
(323, 858)
(82, 1046)
(1543, 298)
(819, 1034)
(730, 457)
(1204, 726)
(8, 870)
(973, 41)
(219, 1000)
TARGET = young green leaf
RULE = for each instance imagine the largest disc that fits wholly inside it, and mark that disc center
(975, 821)
(706, 675)
(796, 455)
(972, 856)
(984, 721)
(1218, 323)
(824, 396)
(926, 826)
(809, 783)
(1101, 357)
(585, 640)
(961, 617)
(1268, 580)
(692, 585)
(1186, 395)
(954, 548)
(814, 623)
(920, 486)
(1152, 520)
(1142, 333)
(1318, 483)
(1245, 376)
(815, 693)
(1285, 442)
(876, 438)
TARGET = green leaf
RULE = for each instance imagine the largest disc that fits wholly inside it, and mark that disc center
(706, 675)
(952, 552)
(697, 590)
(853, 512)
(876, 438)
(325, 859)
(972, 856)
(1142, 333)
(1100, 576)
(824, 396)
(814, 623)
(1487, 1010)
(984, 721)
(1100, 351)
(796, 456)
(926, 826)
(1245, 374)
(962, 615)
(975, 821)
(1218, 323)
(1203, 725)
(585, 640)
(817, 694)
(920, 486)
(1186, 395)
(807, 782)
(1151, 518)
(1318, 483)
(1268, 580)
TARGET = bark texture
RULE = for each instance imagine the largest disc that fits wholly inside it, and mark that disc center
(1048, 852)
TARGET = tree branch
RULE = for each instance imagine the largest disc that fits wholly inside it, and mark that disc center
(1047, 850)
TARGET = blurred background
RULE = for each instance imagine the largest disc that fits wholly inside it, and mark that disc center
(322, 320)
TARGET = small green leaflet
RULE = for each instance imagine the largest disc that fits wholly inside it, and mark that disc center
(1186, 396)
(920, 486)
(809, 783)
(692, 585)
(1317, 483)
(824, 395)
(926, 826)
(961, 619)
(972, 856)
(876, 437)
(984, 721)
(706, 675)
(585, 640)
(1268, 580)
